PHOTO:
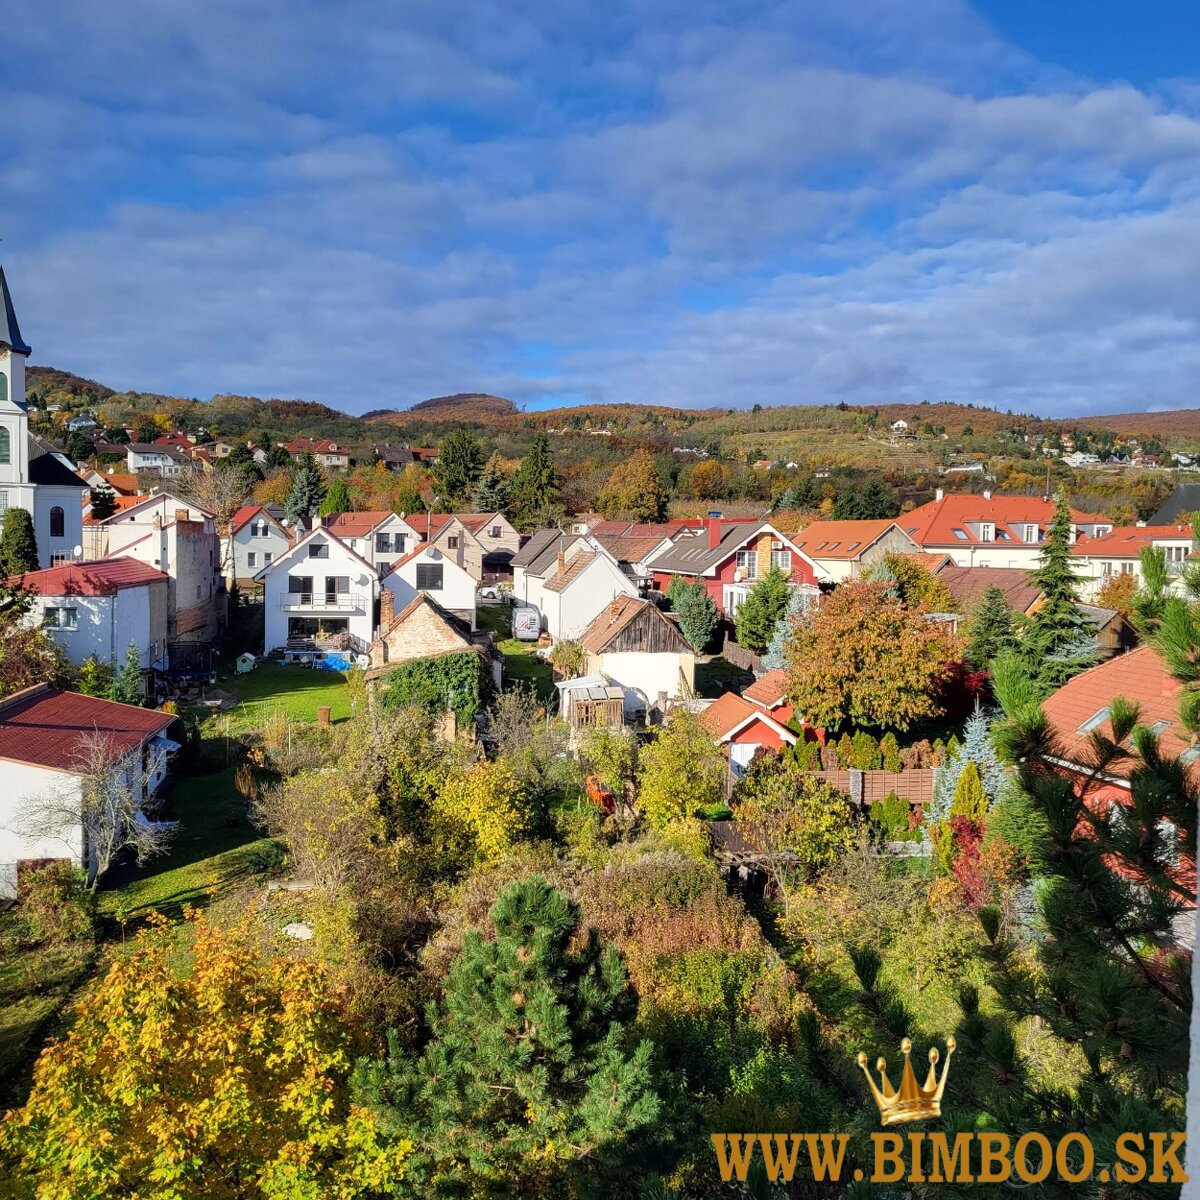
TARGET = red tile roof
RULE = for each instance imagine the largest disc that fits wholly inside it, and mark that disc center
(102, 578)
(724, 716)
(935, 523)
(121, 481)
(1127, 541)
(313, 446)
(120, 504)
(840, 539)
(43, 725)
(355, 524)
(1139, 677)
(769, 690)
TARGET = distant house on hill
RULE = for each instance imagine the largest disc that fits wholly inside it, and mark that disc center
(326, 451)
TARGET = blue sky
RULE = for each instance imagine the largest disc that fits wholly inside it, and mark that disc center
(698, 203)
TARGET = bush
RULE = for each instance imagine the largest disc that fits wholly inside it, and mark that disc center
(56, 904)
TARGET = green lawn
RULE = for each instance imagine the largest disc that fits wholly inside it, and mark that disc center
(521, 664)
(271, 687)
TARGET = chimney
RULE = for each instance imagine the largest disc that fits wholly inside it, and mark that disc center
(713, 525)
(938, 495)
(560, 561)
(387, 607)
(987, 493)
(317, 520)
(1142, 525)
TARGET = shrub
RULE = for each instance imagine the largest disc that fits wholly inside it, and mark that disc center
(56, 903)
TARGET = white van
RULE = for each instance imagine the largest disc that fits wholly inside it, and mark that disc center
(526, 624)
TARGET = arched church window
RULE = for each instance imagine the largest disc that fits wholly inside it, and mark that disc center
(5, 446)
(58, 520)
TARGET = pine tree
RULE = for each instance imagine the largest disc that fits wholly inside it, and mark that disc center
(94, 678)
(491, 491)
(18, 545)
(1060, 641)
(776, 655)
(104, 503)
(977, 748)
(308, 490)
(534, 485)
(337, 499)
(992, 630)
(458, 467)
(698, 616)
(1150, 600)
(127, 682)
(530, 1077)
(758, 615)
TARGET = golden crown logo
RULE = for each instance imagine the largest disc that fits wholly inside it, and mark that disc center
(909, 1102)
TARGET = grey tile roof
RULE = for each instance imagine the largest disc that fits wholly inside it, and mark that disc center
(539, 554)
(692, 555)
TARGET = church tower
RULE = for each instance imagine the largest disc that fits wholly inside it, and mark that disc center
(14, 417)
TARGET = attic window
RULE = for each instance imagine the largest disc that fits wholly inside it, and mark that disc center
(1160, 727)
(1094, 722)
(961, 534)
(834, 545)
(1190, 755)
(853, 545)
(1002, 535)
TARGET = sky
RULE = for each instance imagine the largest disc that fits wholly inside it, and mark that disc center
(684, 202)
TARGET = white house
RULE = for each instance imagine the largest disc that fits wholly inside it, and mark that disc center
(381, 537)
(32, 476)
(180, 539)
(631, 643)
(257, 536)
(451, 535)
(42, 741)
(168, 461)
(319, 594)
(845, 550)
(99, 608)
(900, 426)
(81, 422)
(428, 570)
(1119, 552)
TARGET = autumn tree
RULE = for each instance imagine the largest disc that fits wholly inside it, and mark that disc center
(634, 490)
(221, 493)
(308, 490)
(863, 656)
(483, 811)
(763, 608)
(227, 1080)
(532, 1082)
(28, 654)
(912, 581)
(458, 467)
(709, 480)
(680, 771)
(18, 545)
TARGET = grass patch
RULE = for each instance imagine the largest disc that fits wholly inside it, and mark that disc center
(521, 664)
(716, 675)
(298, 691)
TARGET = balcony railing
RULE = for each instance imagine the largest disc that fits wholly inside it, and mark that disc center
(324, 601)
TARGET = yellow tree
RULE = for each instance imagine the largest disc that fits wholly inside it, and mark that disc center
(680, 771)
(634, 491)
(483, 810)
(225, 1081)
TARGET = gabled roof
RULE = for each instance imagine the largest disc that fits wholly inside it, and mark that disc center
(1082, 704)
(618, 615)
(277, 562)
(10, 331)
(945, 522)
(120, 504)
(171, 452)
(43, 726)
(104, 577)
(424, 600)
(356, 524)
(394, 454)
(730, 714)
(967, 585)
(630, 548)
(1128, 541)
(693, 555)
(314, 446)
(540, 552)
(47, 469)
(152, 500)
(768, 691)
(121, 481)
(248, 512)
(842, 540)
(561, 580)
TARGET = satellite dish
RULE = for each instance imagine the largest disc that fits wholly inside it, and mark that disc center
(78, 552)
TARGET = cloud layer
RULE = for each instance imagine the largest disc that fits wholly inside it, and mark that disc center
(707, 204)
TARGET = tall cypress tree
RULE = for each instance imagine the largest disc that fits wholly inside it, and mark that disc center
(18, 544)
(531, 1075)
(308, 490)
(1060, 640)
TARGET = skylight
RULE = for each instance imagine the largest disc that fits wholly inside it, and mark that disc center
(1094, 722)
(834, 545)
(853, 545)
(1160, 726)
(961, 534)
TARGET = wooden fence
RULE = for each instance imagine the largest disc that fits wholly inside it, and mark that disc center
(740, 657)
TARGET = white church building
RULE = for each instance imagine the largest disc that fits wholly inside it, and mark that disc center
(32, 476)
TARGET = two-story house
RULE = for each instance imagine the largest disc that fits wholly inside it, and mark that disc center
(168, 461)
(380, 537)
(257, 536)
(1119, 552)
(499, 541)
(452, 537)
(846, 549)
(425, 570)
(319, 594)
(327, 452)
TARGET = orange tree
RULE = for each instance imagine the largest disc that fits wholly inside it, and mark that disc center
(864, 656)
(225, 1081)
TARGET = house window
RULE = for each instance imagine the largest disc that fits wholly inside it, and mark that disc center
(383, 543)
(259, 529)
(1176, 553)
(987, 532)
(1031, 533)
(57, 560)
(452, 541)
(251, 558)
(495, 531)
(3, 501)
(5, 445)
(746, 561)
(781, 560)
(58, 521)
(267, 556)
(318, 550)
(61, 618)
(429, 577)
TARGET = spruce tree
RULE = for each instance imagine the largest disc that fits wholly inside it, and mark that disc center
(337, 499)
(18, 545)
(127, 682)
(104, 503)
(776, 655)
(531, 1081)
(1060, 641)
(757, 616)
(534, 485)
(992, 631)
(308, 490)
(459, 465)
(491, 491)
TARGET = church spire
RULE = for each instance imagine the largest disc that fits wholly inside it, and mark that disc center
(10, 331)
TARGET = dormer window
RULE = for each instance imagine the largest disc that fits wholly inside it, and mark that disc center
(1031, 533)
(987, 531)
